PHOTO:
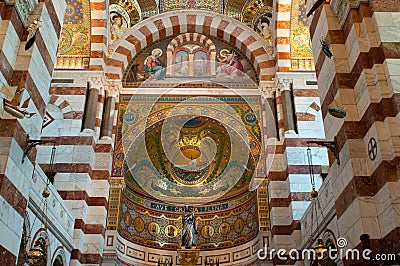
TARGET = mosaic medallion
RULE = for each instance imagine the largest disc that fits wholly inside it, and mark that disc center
(153, 228)
(239, 225)
(138, 223)
(171, 231)
(127, 219)
(250, 220)
(224, 229)
(207, 231)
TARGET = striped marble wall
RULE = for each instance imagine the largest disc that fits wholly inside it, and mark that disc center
(362, 78)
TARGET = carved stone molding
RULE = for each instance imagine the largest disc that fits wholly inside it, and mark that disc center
(117, 183)
(97, 82)
(356, 3)
(10, 2)
(341, 9)
(24, 9)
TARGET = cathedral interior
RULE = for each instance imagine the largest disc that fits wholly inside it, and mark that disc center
(199, 132)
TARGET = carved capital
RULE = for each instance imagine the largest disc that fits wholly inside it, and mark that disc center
(25, 9)
(268, 92)
(96, 82)
(283, 84)
(356, 3)
(113, 87)
(341, 9)
(117, 183)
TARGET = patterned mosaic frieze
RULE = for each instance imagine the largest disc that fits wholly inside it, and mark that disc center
(218, 227)
(167, 5)
(74, 44)
(301, 53)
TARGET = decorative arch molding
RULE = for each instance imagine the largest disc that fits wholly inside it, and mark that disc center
(174, 23)
(59, 254)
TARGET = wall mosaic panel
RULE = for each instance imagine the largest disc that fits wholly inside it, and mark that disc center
(300, 43)
(74, 43)
(135, 73)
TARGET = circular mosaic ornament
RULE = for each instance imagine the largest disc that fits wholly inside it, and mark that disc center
(224, 229)
(127, 219)
(154, 228)
(207, 231)
(250, 118)
(250, 220)
(129, 117)
(239, 225)
(138, 223)
(171, 231)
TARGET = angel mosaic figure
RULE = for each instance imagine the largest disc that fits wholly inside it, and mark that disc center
(117, 27)
(230, 67)
(189, 229)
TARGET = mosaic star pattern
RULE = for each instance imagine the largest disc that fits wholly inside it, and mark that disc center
(74, 43)
(300, 50)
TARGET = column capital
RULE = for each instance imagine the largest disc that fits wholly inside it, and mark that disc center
(268, 92)
(113, 87)
(283, 84)
(96, 82)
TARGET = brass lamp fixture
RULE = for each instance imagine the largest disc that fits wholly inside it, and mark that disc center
(321, 251)
(30, 144)
(335, 112)
(37, 255)
(190, 146)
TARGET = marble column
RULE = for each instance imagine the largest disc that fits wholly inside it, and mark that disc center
(289, 115)
(270, 112)
(112, 90)
(89, 120)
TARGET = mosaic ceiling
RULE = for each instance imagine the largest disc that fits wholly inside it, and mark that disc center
(208, 155)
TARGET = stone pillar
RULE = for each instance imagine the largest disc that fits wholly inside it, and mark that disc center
(213, 63)
(289, 119)
(94, 105)
(191, 65)
(112, 89)
(89, 120)
(169, 63)
(270, 112)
